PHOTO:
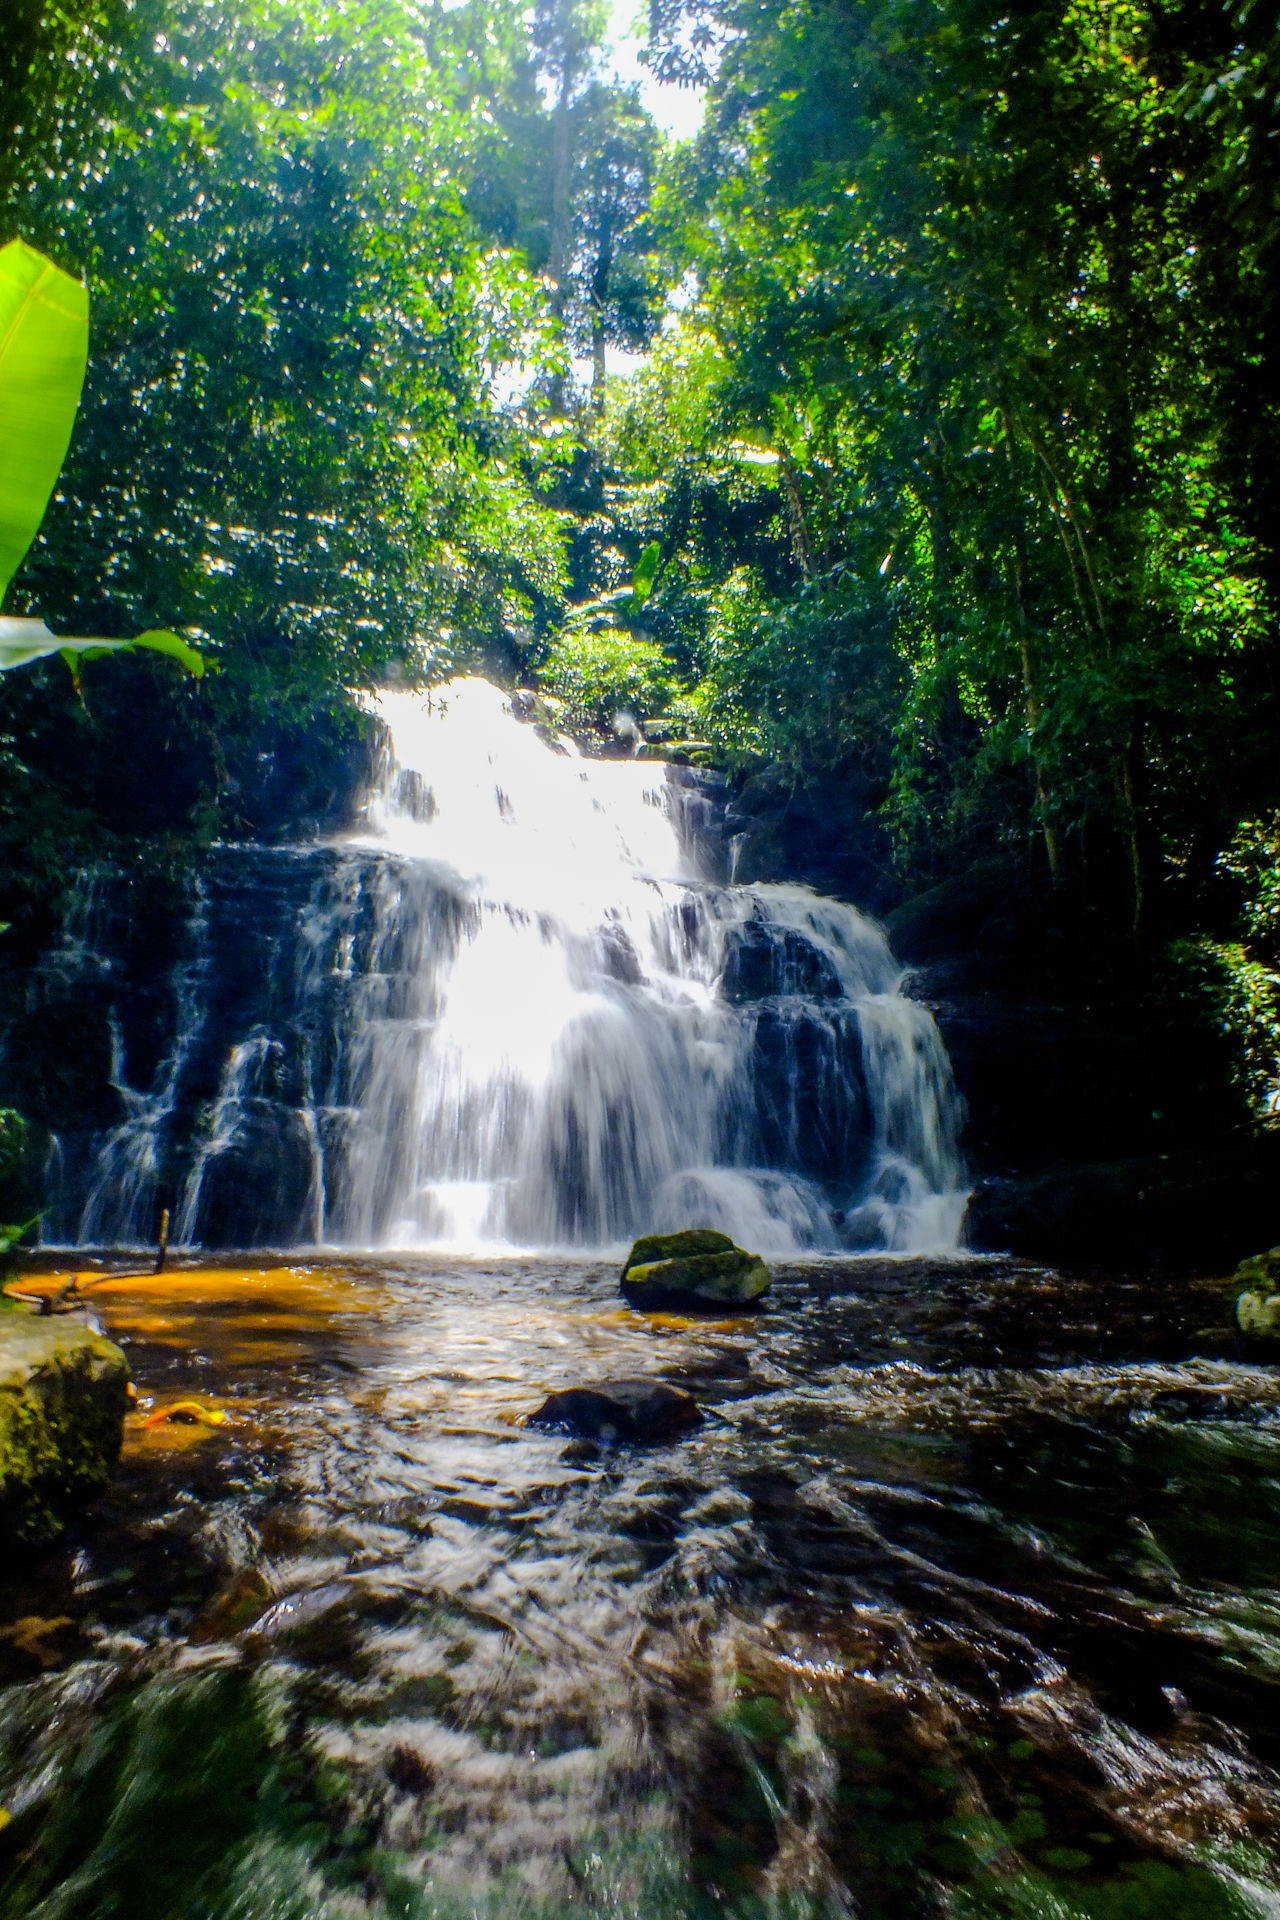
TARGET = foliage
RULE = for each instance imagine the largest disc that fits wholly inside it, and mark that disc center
(14, 1141)
(44, 339)
(968, 278)
(1253, 861)
(44, 342)
(286, 426)
(1237, 1001)
(602, 672)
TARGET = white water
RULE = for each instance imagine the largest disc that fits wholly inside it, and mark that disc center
(538, 1052)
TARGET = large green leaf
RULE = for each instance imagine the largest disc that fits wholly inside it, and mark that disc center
(646, 572)
(22, 641)
(44, 344)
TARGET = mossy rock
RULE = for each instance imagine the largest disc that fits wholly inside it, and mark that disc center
(692, 1241)
(729, 1279)
(1258, 1315)
(1260, 1273)
(63, 1395)
(1258, 1302)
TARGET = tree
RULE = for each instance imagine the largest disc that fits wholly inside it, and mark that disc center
(950, 259)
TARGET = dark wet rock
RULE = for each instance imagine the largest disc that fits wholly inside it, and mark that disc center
(718, 1280)
(961, 912)
(258, 1190)
(1195, 1208)
(761, 850)
(620, 1409)
(63, 1395)
(762, 961)
(1258, 1304)
(619, 958)
(683, 1245)
(812, 1111)
(824, 832)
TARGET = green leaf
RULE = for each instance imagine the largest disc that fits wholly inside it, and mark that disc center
(646, 572)
(10, 1236)
(44, 345)
(22, 641)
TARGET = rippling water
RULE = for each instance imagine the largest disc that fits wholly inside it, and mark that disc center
(965, 1600)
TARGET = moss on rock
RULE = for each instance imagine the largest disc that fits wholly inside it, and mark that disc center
(1261, 1272)
(1258, 1301)
(63, 1395)
(685, 1245)
(730, 1278)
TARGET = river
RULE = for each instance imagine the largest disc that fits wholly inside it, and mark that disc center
(962, 1601)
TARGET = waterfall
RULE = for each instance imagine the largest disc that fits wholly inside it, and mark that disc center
(569, 1031)
(518, 1006)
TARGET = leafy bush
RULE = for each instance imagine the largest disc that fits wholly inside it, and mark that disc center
(1236, 1000)
(1253, 859)
(604, 672)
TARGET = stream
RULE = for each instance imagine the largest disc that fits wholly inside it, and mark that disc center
(964, 1600)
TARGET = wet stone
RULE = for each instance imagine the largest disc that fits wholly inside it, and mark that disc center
(639, 1410)
(709, 1280)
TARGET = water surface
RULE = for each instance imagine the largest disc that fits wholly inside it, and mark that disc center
(965, 1599)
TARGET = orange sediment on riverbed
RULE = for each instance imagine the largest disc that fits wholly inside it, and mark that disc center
(240, 1313)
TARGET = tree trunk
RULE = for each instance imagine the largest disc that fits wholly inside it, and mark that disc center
(1031, 678)
(801, 544)
(561, 167)
(601, 275)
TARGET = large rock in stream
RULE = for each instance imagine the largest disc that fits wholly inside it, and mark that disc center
(697, 1267)
(64, 1390)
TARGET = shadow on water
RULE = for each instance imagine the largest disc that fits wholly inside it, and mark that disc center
(963, 1601)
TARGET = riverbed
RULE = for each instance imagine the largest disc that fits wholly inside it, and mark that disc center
(963, 1600)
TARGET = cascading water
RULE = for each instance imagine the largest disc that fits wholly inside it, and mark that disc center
(567, 1033)
(516, 1007)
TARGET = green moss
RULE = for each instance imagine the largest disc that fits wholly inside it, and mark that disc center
(716, 1279)
(63, 1394)
(1261, 1271)
(685, 1245)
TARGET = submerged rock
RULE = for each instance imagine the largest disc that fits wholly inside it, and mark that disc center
(620, 1410)
(1258, 1305)
(63, 1395)
(698, 1268)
